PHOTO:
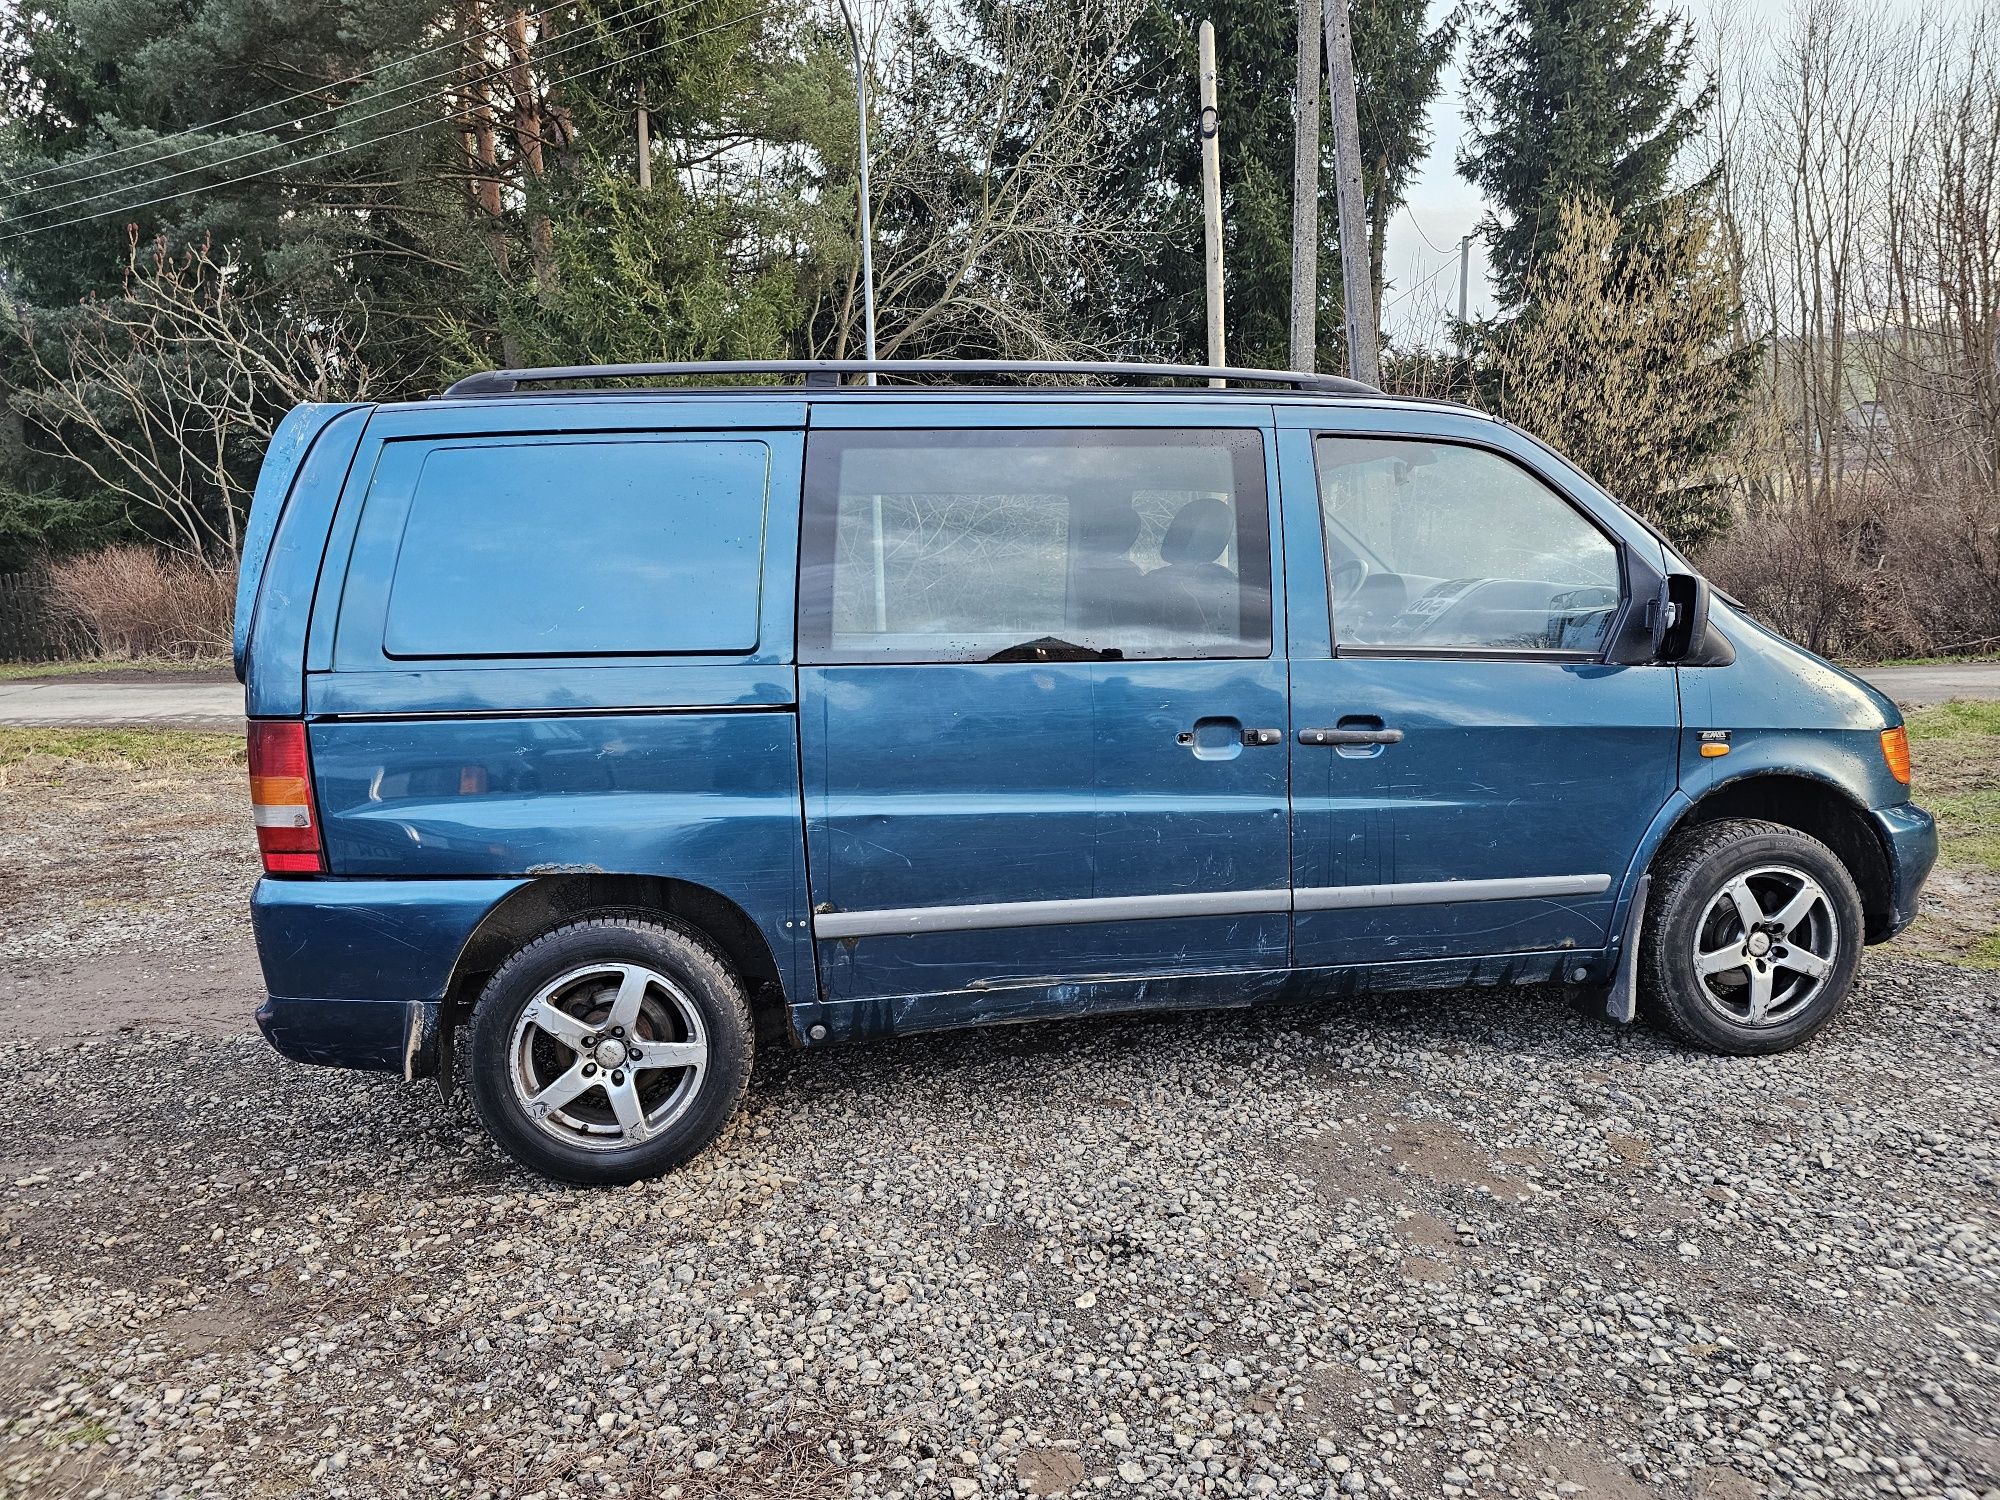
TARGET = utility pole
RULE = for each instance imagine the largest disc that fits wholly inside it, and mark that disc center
(1357, 294)
(645, 144)
(1211, 196)
(1305, 195)
(1464, 274)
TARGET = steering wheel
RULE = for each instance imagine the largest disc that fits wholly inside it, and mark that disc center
(1346, 579)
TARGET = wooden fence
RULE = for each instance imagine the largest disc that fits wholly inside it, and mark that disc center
(32, 628)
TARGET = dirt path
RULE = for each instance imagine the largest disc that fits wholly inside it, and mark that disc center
(126, 898)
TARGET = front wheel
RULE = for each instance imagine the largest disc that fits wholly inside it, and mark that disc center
(610, 1050)
(1752, 937)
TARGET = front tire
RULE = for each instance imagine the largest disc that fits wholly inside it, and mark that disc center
(610, 1050)
(1752, 937)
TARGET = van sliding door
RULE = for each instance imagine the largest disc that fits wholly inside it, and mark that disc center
(1041, 707)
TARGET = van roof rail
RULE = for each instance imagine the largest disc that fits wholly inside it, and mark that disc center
(833, 373)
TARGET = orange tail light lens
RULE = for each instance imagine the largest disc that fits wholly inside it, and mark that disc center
(281, 798)
(1896, 751)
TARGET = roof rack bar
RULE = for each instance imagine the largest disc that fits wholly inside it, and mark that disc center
(818, 373)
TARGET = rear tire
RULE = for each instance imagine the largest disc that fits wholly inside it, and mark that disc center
(1752, 937)
(610, 1050)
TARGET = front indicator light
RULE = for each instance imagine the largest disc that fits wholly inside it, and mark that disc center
(1896, 751)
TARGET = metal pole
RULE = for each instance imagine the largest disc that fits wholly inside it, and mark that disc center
(867, 234)
(645, 143)
(1357, 293)
(1305, 195)
(1464, 273)
(1211, 196)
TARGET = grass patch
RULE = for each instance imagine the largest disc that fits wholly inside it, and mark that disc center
(1959, 719)
(18, 671)
(1922, 661)
(1968, 826)
(127, 749)
(86, 1434)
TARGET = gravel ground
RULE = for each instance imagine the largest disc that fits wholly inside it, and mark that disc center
(126, 890)
(1480, 1244)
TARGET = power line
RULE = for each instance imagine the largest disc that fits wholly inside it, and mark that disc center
(1414, 224)
(209, 125)
(371, 141)
(1416, 286)
(499, 71)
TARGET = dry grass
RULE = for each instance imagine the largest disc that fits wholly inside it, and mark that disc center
(1957, 763)
(39, 756)
(27, 671)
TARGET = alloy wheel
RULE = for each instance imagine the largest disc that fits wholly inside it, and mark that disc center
(1765, 945)
(608, 1056)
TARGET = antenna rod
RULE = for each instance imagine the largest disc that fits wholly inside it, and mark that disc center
(867, 234)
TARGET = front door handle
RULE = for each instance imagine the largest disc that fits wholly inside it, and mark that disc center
(1350, 736)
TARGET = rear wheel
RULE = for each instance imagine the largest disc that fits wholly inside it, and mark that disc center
(610, 1050)
(1752, 939)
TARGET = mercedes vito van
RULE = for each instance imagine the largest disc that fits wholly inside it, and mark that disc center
(605, 729)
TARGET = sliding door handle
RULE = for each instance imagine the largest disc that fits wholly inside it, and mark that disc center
(1350, 736)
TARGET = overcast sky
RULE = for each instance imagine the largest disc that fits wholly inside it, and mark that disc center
(1421, 261)
(1422, 274)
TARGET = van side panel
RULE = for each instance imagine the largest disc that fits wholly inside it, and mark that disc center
(283, 547)
(711, 798)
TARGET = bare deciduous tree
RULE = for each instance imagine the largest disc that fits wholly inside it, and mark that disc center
(167, 393)
(992, 179)
(1860, 166)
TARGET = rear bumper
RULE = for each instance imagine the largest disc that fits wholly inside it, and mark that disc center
(358, 970)
(382, 1036)
(1909, 836)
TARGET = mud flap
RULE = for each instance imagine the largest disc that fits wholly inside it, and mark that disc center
(1621, 1003)
(424, 1036)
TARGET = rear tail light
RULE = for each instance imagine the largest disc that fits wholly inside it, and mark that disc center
(281, 798)
(1896, 751)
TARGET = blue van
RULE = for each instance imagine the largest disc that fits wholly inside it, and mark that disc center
(607, 729)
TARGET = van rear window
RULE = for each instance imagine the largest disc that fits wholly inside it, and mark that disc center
(1034, 544)
(581, 548)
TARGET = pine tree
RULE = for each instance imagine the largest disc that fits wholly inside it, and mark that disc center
(1568, 100)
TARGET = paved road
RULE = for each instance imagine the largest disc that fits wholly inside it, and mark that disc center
(210, 705)
(193, 705)
(1919, 687)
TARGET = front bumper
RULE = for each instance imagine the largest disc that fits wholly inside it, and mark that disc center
(358, 970)
(1909, 837)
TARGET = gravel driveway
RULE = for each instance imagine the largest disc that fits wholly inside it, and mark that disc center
(1476, 1244)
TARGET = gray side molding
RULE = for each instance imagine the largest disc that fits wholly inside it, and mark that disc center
(989, 915)
(1444, 892)
(986, 915)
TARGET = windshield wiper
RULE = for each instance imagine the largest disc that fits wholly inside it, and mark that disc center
(1055, 648)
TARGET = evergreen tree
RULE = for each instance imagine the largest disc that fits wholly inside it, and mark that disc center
(1624, 359)
(1573, 99)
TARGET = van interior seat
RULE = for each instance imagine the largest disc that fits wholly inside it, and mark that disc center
(1194, 593)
